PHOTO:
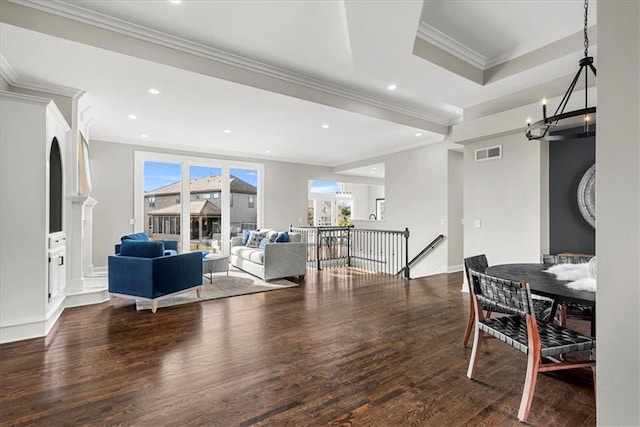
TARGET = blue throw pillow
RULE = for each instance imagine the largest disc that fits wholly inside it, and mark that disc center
(282, 237)
(263, 243)
(245, 236)
(135, 236)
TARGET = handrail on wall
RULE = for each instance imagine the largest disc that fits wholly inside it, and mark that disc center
(424, 251)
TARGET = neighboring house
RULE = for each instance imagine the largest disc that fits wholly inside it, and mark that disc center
(162, 209)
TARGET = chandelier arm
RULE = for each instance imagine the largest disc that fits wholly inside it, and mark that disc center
(567, 94)
(593, 70)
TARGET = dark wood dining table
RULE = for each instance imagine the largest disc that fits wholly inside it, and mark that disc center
(547, 285)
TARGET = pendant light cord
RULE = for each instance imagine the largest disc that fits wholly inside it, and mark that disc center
(586, 36)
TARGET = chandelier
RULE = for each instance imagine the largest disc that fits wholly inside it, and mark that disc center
(564, 125)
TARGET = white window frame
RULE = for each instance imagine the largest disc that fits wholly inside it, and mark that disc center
(185, 162)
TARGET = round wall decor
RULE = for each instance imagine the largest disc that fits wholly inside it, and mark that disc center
(587, 196)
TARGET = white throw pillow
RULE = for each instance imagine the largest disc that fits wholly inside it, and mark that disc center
(254, 238)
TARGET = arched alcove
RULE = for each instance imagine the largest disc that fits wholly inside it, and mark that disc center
(55, 188)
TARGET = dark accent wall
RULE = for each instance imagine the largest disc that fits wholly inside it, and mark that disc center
(568, 161)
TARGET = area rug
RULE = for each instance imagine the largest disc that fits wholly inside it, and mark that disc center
(223, 286)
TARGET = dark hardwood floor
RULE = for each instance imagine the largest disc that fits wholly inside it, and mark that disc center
(344, 348)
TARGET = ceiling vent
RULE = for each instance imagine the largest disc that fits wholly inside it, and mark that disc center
(489, 153)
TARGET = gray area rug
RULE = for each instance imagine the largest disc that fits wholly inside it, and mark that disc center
(223, 286)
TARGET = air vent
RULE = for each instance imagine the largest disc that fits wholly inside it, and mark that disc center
(488, 153)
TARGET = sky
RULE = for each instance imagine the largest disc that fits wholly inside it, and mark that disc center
(326, 187)
(159, 174)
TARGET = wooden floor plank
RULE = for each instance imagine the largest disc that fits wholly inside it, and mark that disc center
(343, 348)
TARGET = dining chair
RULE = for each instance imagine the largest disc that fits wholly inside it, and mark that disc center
(570, 310)
(479, 263)
(540, 341)
(476, 263)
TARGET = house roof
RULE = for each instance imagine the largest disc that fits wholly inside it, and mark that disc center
(206, 184)
(196, 208)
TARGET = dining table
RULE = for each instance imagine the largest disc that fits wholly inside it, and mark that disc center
(547, 285)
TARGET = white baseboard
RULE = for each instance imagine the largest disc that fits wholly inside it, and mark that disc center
(87, 298)
(455, 268)
(32, 328)
(96, 292)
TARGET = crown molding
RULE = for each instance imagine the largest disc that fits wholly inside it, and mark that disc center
(450, 45)
(51, 88)
(14, 79)
(7, 72)
(77, 13)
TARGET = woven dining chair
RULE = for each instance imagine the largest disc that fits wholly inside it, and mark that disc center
(539, 340)
(479, 263)
(476, 263)
(570, 310)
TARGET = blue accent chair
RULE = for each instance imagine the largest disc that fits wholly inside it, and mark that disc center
(143, 270)
(170, 246)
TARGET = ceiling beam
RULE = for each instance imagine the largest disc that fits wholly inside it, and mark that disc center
(52, 18)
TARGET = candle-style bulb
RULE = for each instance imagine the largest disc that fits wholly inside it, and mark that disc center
(587, 118)
(544, 101)
(528, 121)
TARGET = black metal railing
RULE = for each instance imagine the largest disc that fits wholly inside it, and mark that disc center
(380, 251)
(423, 252)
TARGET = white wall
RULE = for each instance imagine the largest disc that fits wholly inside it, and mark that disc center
(455, 211)
(416, 197)
(507, 197)
(112, 169)
(618, 213)
(4, 85)
(364, 199)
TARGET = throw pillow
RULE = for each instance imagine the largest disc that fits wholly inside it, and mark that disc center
(254, 239)
(264, 242)
(245, 236)
(282, 237)
(272, 235)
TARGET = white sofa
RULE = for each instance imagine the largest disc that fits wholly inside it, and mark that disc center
(275, 261)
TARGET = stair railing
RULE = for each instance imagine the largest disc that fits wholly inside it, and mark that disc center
(381, 251)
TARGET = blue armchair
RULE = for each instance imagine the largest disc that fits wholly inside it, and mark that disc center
(143, 270)
(170, 246)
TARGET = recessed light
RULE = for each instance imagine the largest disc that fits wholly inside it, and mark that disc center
(226, 131)
(325, 126)
(144, 135)
(268, 151)
(154, 91)
(373, 168)
(392, 87)
(419, 134)
(175, 1)
(132, 116)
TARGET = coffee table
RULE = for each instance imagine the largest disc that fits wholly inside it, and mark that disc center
(214, 263)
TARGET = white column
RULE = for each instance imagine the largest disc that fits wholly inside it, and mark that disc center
(87, 236)
(75, 281)
(618, 213)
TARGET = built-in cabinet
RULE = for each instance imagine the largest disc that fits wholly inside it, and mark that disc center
(33, 140)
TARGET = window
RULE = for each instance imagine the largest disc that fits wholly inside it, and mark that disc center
(152, 201)
(177, 199)
(252, 203)
(216, 195)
